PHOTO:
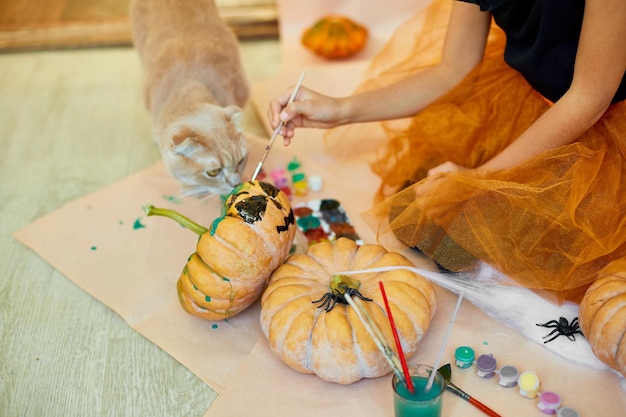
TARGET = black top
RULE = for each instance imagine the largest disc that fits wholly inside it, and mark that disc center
(541, 41)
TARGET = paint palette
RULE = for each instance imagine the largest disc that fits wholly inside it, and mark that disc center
(324, 220)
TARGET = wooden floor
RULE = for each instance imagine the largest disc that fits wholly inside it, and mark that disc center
(72, 122)
(49, 24)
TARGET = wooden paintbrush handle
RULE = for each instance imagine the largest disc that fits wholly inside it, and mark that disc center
(482, 407)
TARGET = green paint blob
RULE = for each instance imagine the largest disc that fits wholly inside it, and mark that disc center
(485, 343)
(214, 326)
(207, 299)
(171, 199)
(94, 247)
(138, 225)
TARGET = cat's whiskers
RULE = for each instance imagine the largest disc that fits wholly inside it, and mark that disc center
(195, 191)
(200, 191)
(208, 197)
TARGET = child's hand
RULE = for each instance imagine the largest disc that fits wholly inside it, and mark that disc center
(309, 109)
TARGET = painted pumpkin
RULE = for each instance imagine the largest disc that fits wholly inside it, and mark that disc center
(602, 319)
(335, 37)
(312, 329)
(236, 255)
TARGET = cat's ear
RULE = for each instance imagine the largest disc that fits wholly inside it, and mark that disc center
(184, 147)
(235, 114)
(183, 142)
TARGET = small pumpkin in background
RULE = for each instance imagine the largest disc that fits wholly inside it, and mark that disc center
(335, 37)
(312, 329)
(602, 317)
(236, 255)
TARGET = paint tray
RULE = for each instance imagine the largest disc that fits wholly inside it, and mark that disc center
(323, 220)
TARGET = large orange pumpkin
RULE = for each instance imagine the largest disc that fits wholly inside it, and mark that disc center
(314, 332)
(335, 37)
(236, 255)
(602, 318)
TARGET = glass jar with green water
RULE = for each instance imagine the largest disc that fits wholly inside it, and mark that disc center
(420, 403)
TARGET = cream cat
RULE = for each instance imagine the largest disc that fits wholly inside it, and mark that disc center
(195, 88)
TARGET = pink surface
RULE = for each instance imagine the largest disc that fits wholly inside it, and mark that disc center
(133, 271)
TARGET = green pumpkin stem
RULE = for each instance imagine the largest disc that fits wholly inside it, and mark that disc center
(342, 283)
(150, 210)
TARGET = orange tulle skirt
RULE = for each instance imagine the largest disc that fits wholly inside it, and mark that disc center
(552, 223)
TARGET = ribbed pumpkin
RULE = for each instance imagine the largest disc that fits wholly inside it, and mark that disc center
(236, 255)
(335, 37)
(602, 318)
(311, 337)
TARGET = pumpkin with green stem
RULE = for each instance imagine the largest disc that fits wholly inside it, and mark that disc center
(335, 37)
(236, 255)
(311, 327)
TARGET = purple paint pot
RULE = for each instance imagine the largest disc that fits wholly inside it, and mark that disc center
(567, 412)
(486, 366)
(508, 376)
(549, 402)
(281, 182)
(464, 356)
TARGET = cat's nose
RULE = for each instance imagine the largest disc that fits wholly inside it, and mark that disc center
(234, 180)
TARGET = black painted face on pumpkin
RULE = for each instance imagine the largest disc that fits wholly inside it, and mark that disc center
(253, 208)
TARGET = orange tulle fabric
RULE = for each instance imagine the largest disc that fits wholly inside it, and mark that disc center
(551, 223)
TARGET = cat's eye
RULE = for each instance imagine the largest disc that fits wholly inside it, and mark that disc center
(213, 172)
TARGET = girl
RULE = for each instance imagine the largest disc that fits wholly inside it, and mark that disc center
(515, 150)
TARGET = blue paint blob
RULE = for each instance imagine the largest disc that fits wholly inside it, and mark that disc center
(214, 326)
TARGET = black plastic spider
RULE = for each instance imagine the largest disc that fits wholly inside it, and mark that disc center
(562, 328)
(339, 286)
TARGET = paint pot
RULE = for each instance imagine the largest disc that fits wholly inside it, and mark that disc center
(300, 187)
(279, 177)
(549, 402)
(464, 356)
(486, 366)
(508, 376)
(567, 412)
(315, 183)
(528, 384)
(297, 177)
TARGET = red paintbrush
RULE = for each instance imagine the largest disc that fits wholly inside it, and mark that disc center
(405, 368)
